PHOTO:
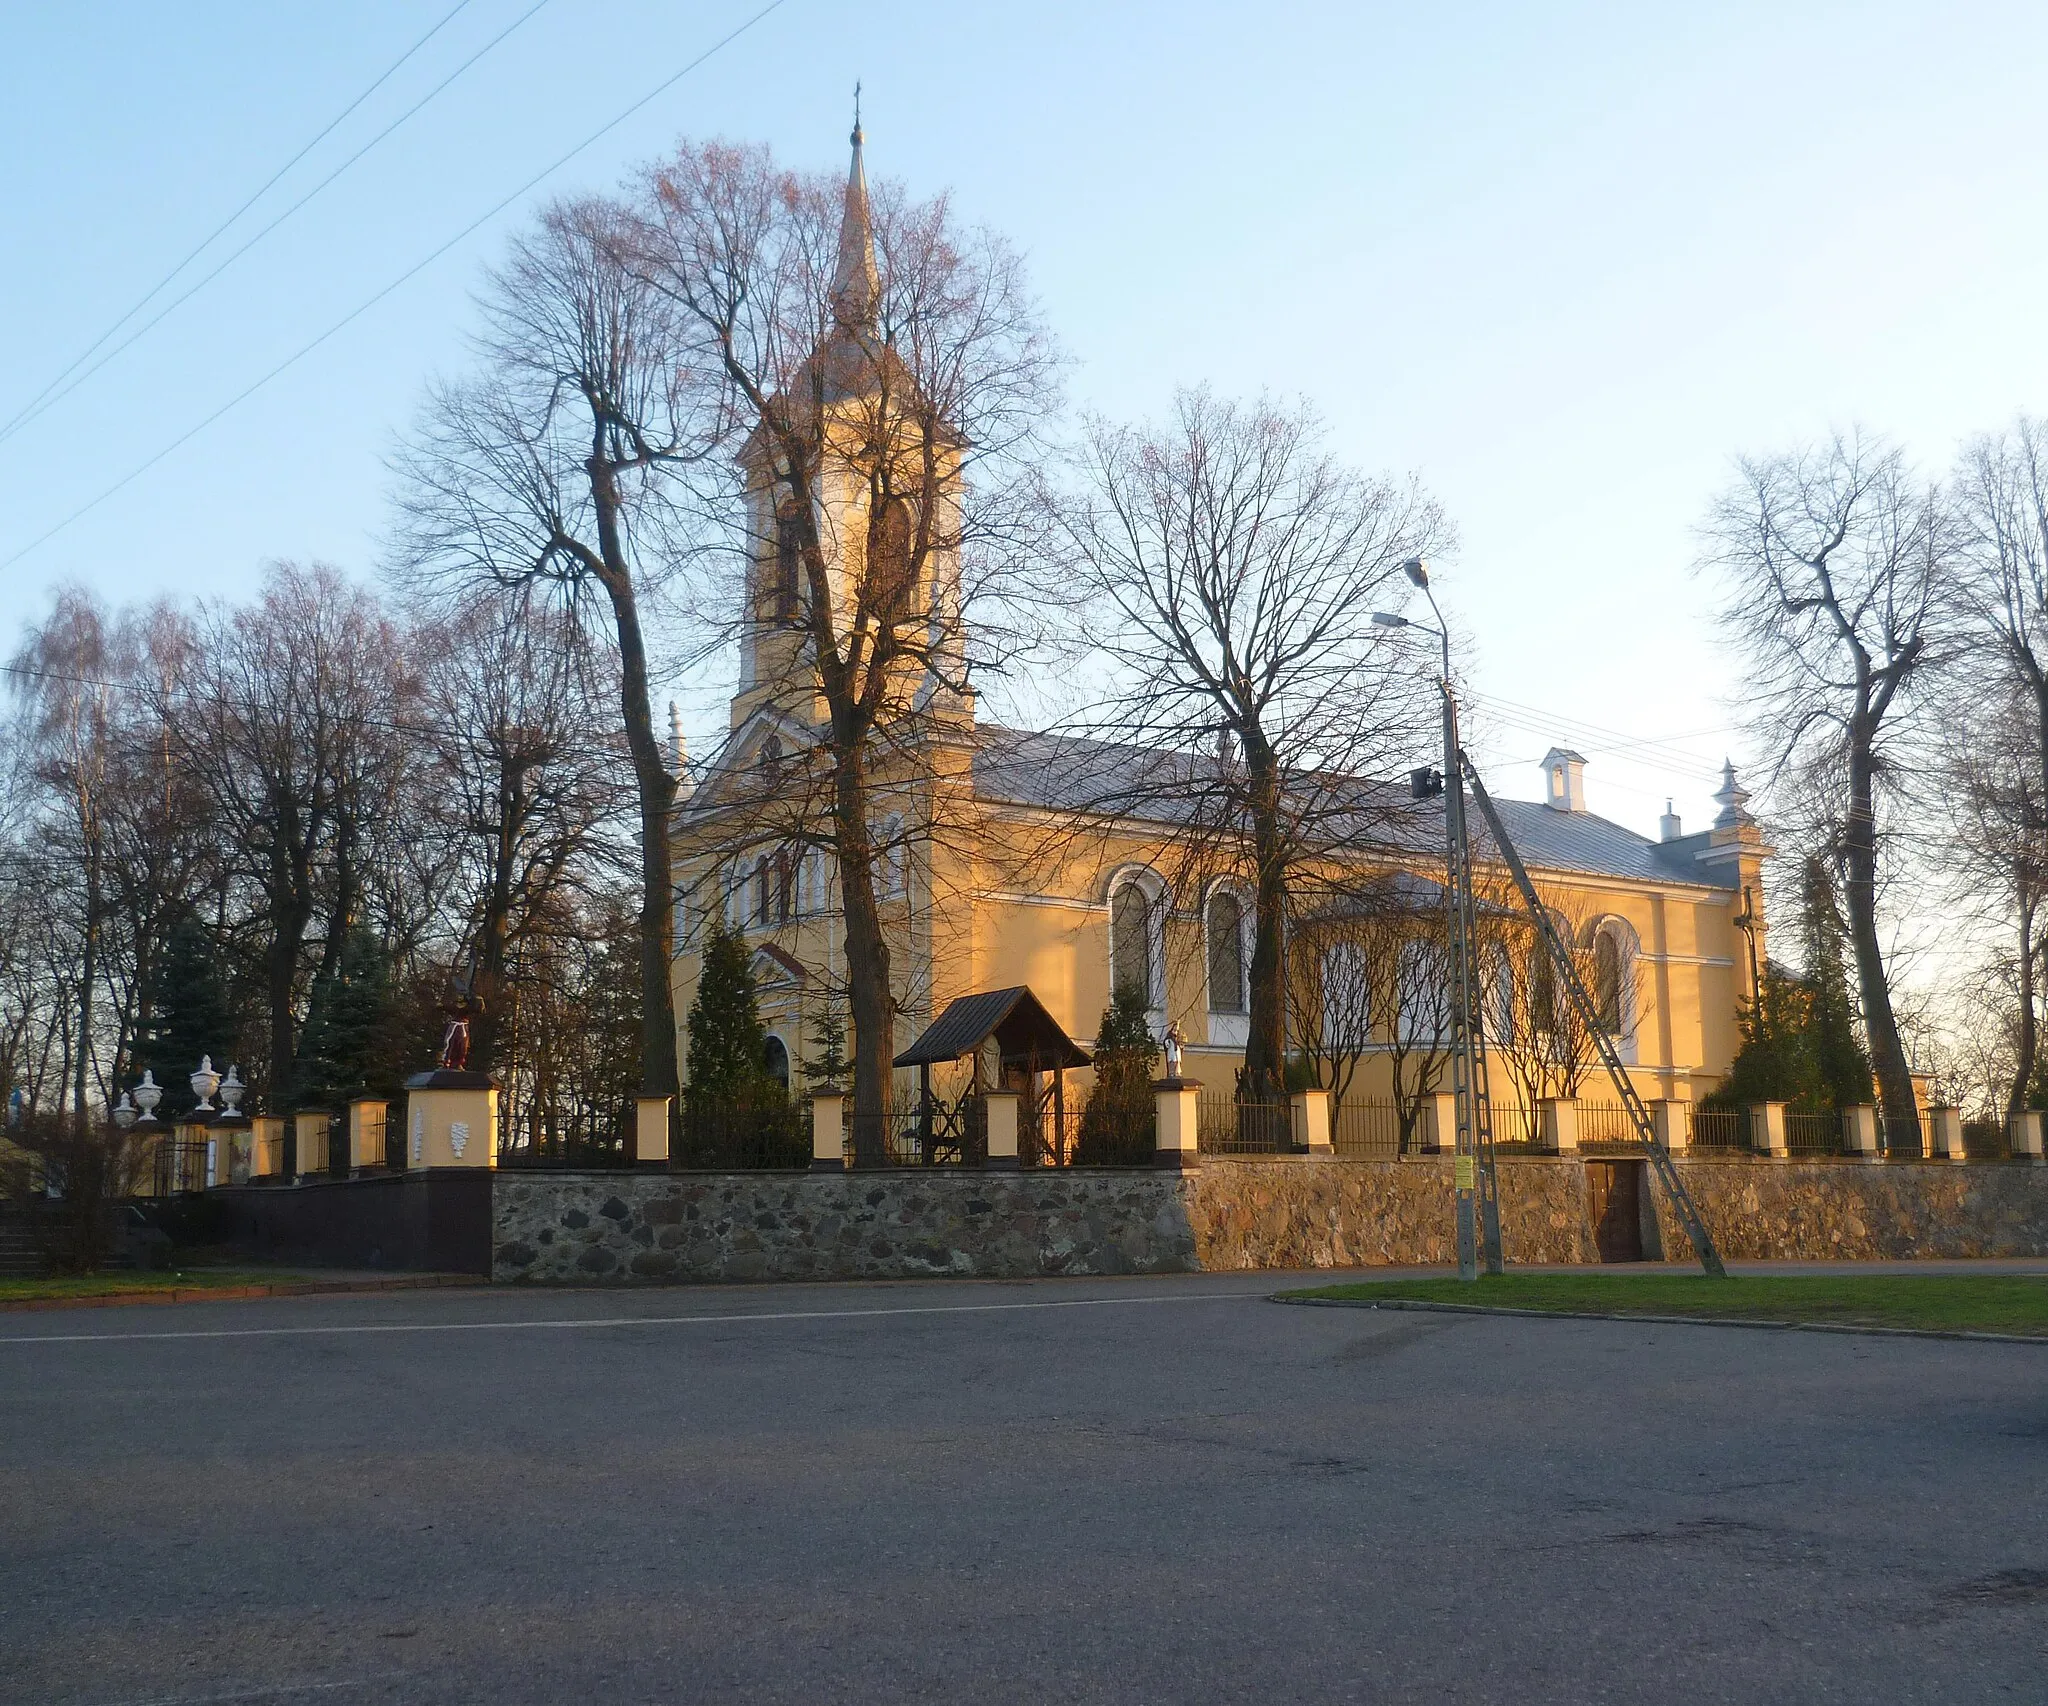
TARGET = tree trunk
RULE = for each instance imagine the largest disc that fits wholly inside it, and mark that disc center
(867, 961)
(488, 985)
(1265, 1051)
(657, 790)
(1880, 1024)
(2027, 1043)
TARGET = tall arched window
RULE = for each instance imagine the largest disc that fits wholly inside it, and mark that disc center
(775, 1060)
(785, 573)
(1226, 953)
(1131, 960)
(890, 573)
(1607, 982)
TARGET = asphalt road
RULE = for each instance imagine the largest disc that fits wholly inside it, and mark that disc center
(1130, 1491)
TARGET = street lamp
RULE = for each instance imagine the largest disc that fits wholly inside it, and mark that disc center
(1468, 1062)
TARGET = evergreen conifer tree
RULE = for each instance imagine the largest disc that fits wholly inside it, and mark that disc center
(727, 1039)
(830, 1068)
(345, 1049)
(191, 1013)
(1119, 1123)
(1841, 1069)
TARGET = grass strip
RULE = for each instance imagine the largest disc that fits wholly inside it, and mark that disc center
(1952, 1303)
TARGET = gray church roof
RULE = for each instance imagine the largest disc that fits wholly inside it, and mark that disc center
(1069, 773)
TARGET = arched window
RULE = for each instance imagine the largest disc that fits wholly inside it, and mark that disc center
(890, 573)
(1607, 982)
(771, 758)
(785, 573)
(775, 1060)
(1226, 953)
(764, 890)
(1131, 959)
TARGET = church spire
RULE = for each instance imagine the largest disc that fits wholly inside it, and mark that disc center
(856, 285)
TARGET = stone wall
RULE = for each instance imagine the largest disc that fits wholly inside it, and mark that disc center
(1859, 1211)
(798, 1226)
(1293, 1212)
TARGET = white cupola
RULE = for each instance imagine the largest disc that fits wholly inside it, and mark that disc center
(1564, 780)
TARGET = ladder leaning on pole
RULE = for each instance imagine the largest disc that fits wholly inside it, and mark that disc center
(1582, 1003)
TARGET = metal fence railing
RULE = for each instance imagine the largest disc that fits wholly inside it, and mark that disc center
(937, 1133)
(742, 1139)
(1720, 1128)
(1906, 1139)
(1226, 1126)
(1606, 1128)
(179, 1166)
(1986, 1140)
(1814, 1134)
(1366, 1131)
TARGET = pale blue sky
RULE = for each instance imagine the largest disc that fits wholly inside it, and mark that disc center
(1561, 261)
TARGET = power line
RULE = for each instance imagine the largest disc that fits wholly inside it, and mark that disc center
(207, 241)
(357, 312)
(47, 401)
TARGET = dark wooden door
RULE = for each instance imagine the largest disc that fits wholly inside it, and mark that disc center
(1614, 1199)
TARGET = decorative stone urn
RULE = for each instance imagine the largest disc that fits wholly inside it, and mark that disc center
(147, 1094)
(204, 1082)
(232, 1090)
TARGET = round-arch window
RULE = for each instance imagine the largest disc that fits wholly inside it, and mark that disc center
(1226, 953)
(775, 1061)
(1607, 981)
(1130, 932)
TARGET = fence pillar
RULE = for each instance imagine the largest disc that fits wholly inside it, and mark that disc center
(1002, 1128)
(1558, 1120)
(1178, 1102)
(1945, 1134)
(1859, 1131)
(828, 1131)
(366, 1122)
(1311, 1113)
(234, 1160)
(1767, 1130)
(650, 1130)
(1438, 1126)
(309, 1132)
(1672, 1122)
(451, 1119)
(266, 1146)
(2025, 1127)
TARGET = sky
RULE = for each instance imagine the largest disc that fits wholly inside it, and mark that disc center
(1563, 263)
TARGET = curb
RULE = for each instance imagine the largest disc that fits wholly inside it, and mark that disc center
(233, 1293)
(1659, 1320)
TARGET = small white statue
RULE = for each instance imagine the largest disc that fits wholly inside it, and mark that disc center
(1174, 1044)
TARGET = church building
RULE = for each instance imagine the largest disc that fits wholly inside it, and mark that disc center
(1003, 862)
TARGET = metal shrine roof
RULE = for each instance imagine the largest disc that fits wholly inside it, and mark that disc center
(1016, 1018)
(1068, 773)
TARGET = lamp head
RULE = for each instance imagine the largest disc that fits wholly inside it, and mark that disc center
(1417, 571)
(1387, 619)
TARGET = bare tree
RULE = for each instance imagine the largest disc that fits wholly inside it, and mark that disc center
(526, 778)
(554, 467)
(282, 716)
(873, 376)
(1369, 972)
(1232, 565)
(1834, 559)
(1999, 755)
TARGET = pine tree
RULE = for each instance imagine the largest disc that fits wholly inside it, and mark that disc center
(1840, 1066)
(830, 1067)
(191, 1013)
(346, 1047)
(727, 1038)
(1118, 1123)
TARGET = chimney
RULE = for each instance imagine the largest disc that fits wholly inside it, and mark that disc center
(1668, 827)
(1564, 780)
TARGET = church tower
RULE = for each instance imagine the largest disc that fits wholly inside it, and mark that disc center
(885, 479)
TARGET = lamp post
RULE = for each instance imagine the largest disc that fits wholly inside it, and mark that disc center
(1475, 1204)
